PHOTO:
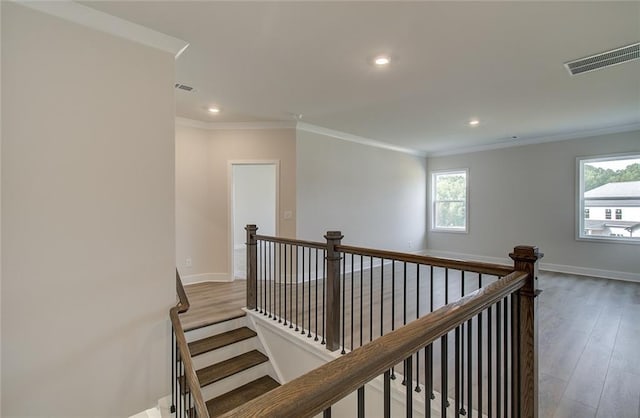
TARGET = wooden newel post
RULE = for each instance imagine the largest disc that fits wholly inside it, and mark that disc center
(252, 263)
(332, 308)
(526, 259)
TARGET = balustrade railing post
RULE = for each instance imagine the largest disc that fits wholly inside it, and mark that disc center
(332, 306)
(526, 259)
(252, 263)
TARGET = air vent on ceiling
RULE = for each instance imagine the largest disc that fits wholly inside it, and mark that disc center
(604, 59)
(183, 87)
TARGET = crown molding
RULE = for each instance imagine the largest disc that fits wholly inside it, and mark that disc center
(221, 126)
(539, 140)
(307, 127)
(104, 22)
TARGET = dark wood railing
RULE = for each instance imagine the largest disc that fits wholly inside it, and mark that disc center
(186, 395)
(367, 295)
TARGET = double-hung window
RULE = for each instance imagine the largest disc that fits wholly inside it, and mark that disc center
(449, 197)
(608, 207)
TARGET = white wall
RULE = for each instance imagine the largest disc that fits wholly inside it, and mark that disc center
(527, 195)
(88, 219)
(376, 197)
(202, 192)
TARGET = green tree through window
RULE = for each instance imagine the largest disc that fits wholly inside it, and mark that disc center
(450, 200)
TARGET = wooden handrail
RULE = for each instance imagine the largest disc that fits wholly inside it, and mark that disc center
(278, 240)
(317, 390)
(472, 266)
(181, 341)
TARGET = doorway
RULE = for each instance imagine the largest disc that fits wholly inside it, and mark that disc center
(254, 200)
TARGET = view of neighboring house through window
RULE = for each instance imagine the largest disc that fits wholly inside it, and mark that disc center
(608, 185)
(449, 190)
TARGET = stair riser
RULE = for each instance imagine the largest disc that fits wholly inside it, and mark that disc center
(215, 329)
(225, 353)
(235, 381)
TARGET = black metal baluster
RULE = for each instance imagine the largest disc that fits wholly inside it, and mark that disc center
(309, 316)
(459, 408)
(418, 389)
(291, 286)
(326, 413)
(324, 291)
(515, 352)
(344, 305)
(270, 281)
(302, 300)
(444, 375)
(462, 369)
(352, 298)
(428, 380)
(479, 342)
(404, 312)
(498, 359)
(284, 289)
(393, 306)
(297, 287)
(316, 307)
(470, 367)
(361, 297)
(489, 362)
(371, 299)
(381, 297)
(173, 370)
(387, 394)
(506, 356)
(408, 370)
(279, 278)
(183, 381)
(361, 402)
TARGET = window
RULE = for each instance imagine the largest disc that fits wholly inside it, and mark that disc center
(449, 200)
(607, 182)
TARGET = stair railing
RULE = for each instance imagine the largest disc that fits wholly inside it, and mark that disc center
(287, 278)
(186, 395)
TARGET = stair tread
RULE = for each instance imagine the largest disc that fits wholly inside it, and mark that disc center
(221, 340)
(233, 399)
(230, 367)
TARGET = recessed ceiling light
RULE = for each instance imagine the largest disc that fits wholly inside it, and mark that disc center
(382, 60)
(474, 122)
(214, 109)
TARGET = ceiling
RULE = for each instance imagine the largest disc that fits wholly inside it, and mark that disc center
(499, 62)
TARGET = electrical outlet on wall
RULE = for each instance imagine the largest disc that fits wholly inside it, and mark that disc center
(188, 262)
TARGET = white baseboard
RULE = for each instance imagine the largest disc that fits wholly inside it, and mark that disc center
(558, 268)
(205, 277)
(585, 271)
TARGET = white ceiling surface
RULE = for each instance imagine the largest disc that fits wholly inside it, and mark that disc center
(500, 62)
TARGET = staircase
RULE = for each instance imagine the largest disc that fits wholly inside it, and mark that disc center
(230, 364)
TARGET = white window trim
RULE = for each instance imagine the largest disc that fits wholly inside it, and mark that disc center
(579, 218)
(435, 228)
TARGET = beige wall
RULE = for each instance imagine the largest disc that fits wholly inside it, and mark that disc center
(88, 251)
(376, 197)
(527, 195)
(202, 192)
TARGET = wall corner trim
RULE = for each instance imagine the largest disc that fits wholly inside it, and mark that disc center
(104, 22)
(307, 127)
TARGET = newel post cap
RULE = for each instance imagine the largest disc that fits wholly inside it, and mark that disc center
(334, 235)
(526, 253)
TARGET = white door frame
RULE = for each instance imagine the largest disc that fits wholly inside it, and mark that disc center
(230, 207)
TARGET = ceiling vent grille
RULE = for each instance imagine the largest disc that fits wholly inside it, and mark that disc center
(183, 87)
(603, 60)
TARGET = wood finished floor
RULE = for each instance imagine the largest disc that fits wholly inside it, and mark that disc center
(589, 341)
